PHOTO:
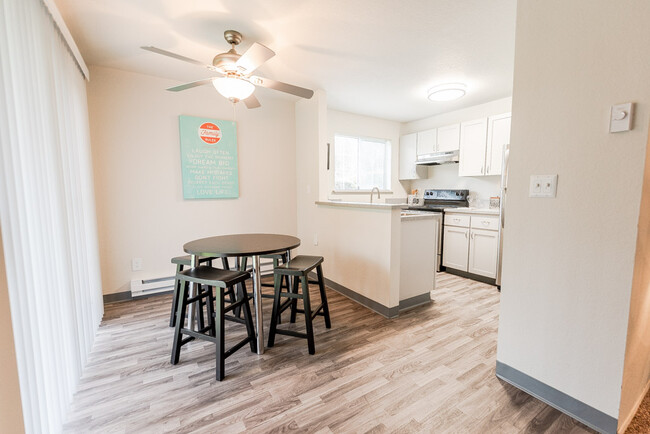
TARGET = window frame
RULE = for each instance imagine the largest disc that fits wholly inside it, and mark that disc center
(387, 188)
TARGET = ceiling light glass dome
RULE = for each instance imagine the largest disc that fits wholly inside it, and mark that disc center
(233, 88)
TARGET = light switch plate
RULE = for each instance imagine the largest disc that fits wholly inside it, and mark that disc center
(620, 118)
(136, 264)
(543, 186)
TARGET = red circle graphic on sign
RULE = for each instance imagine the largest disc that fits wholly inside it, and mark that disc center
(209, 133)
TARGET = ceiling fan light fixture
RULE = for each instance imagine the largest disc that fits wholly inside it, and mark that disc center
(233, 88)
(447, 92)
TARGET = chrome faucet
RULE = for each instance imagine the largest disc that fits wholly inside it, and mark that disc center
(372, 191)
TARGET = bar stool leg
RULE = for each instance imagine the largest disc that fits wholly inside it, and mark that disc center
(276, 264)
(219, 333)
(211, 315)
(276, 306)
(323, 297)
(177, 285)
(200, 307)
(248, 317)
(294, 302)
(307, 309)
(241, 266)
(180, 321)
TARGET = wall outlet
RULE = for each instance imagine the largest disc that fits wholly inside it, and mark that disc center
(315, 239)
(543, 186)
(136, 264)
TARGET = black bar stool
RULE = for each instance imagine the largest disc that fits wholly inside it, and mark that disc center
(299, 267)
(223, 281)
(182, 262)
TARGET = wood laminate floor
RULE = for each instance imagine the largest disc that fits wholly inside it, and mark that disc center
(430, 370)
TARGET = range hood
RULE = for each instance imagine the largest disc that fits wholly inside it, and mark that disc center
(444, 157)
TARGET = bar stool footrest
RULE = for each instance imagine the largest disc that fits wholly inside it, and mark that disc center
(284, 306)
(234, 305)
(291, 333)
(317, 311)
(235, 319)
(198, 297)
(195, 334)
(186, 340)
(235, 347)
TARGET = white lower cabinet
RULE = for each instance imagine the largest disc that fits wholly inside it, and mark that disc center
(471, 243)
(483, 249)
(455, 247)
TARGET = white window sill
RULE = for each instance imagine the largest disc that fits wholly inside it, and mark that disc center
(359, 191)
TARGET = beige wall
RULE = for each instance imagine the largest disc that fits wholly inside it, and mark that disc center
(363, 126)
(568, 261)
(140, 208)
(636, 373)
(11, 411)
(311, 153)
(446, 175)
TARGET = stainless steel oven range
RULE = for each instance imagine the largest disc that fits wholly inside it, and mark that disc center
(436, 201)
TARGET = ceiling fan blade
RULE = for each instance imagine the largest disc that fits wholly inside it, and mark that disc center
(179, 57)
(282, 87)
(252, 102)
(191, 84)
(256, 55)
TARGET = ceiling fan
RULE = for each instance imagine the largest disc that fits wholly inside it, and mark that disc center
(236, 82)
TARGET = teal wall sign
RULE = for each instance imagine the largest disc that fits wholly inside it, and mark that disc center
(208, 158)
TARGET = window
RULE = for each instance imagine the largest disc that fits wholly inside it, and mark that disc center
(361, 163)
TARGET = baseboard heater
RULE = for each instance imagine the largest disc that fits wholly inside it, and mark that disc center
(141, 287)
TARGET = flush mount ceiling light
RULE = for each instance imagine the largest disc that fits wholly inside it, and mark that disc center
(447, 92)
(233, 88)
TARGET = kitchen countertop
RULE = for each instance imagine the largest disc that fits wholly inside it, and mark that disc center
(362, 204)
(486, 211)
(422, 216)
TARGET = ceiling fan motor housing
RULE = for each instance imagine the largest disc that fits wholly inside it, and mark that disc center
(226, 61)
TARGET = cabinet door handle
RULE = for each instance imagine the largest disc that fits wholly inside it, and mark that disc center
(486, 223)
(481, 171)
(465, 234)
(472, 235)
(487, 170)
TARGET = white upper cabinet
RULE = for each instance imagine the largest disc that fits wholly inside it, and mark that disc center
(473, 135)
(426, 142)
(498, 137)
(407, 154)
(448, 138)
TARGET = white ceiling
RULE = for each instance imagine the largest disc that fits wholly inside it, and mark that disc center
(372, 57)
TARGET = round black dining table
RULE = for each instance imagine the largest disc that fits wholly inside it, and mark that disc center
(240, 245)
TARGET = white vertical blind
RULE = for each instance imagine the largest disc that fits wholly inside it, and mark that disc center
(47, 211)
